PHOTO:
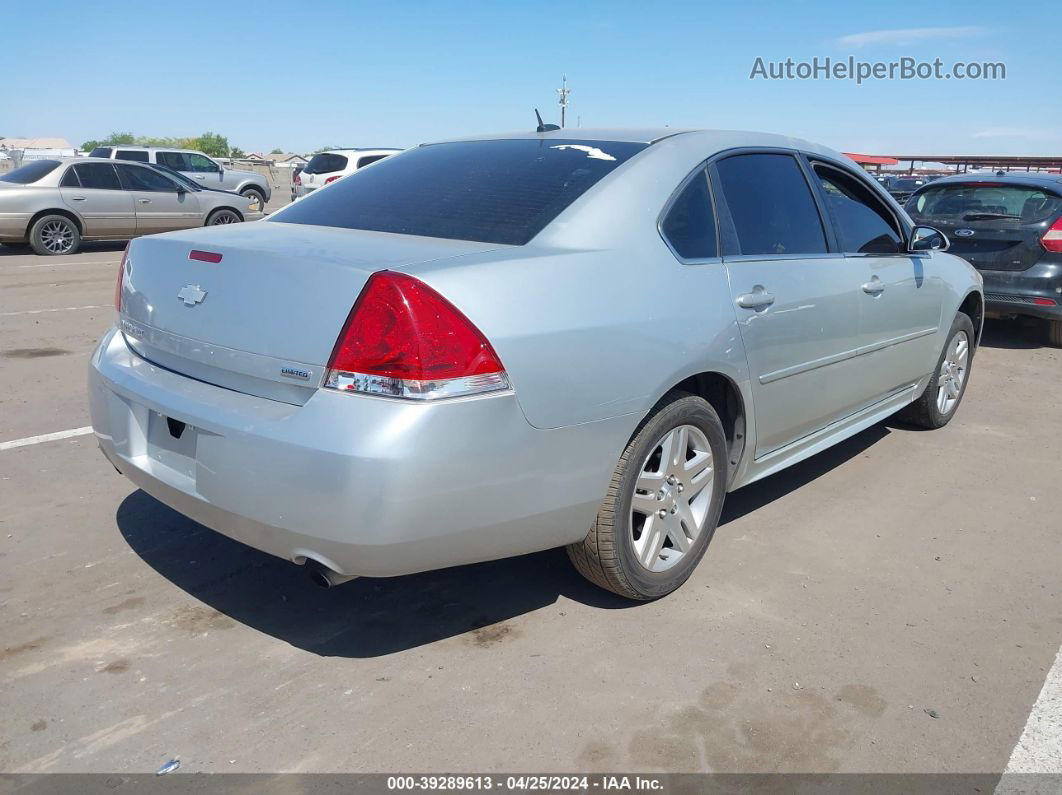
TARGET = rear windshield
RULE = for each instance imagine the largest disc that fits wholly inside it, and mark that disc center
(986, 201)
(31, 172)
(907, 184)
(138, 155)
(500, 191)
(325, 164)
(101, 151)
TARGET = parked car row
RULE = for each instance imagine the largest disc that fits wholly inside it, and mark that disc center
(482, 348)
(326, 167)
(53, 205)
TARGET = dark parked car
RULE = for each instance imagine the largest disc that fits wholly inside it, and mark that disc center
(1010, 229)
(901, 188)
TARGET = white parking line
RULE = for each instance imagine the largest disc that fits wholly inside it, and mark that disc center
(46, 437)
(1039, 750)
(58, 309)
(69, 262)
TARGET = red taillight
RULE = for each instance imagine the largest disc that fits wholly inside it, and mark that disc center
(1052, 239)
(205, 256)
(332, 179)
(298, 179)
(403, 339)
(121, 278)
(1044, 302)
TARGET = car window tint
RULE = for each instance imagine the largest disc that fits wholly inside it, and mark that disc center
(690, 225)
(771, 205)
(955, 201)
(369, 159)
(201, 164)
(131, 154)
(31, 172)
(97, 175)
(101, 151)
(325, 163)
(863, 223)
(178, 161)
(70, 179)
(134, 178)
(495, 191)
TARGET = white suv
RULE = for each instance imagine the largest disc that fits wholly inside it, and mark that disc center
(326, 167)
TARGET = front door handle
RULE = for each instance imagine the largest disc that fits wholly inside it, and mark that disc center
(144, 201)
(874, 287)
(759, 298)
(77, 198)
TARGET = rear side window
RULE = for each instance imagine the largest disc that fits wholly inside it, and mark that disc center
(325, 163)
(178, 161)
(690, 225)
(370, 159)
(771, 205)
(70, 179)
(135, 155)
(986, 201)
(864, 224)
(497, 191)
(97, 175)
(101, 151)
(31, 172)
(146, 179)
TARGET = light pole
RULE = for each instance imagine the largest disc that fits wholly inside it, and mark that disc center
(563, 93)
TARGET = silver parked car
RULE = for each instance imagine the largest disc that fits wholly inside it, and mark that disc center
(195, 165)
(53, 204)
(483, 348)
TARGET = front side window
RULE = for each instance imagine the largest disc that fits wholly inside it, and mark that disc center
(136, 178)
(690, 225)
(178, 161)
(136, 155)
(31, 172)
(201, 164)
(771, 205)
(97, 175)
(494, 191)
(864, 224)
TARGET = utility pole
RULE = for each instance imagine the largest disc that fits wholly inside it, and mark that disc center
(563, 91)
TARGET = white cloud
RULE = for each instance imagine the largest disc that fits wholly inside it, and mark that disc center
(907, 35)
(1012, 132)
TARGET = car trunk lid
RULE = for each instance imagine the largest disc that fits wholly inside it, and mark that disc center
(257, 308)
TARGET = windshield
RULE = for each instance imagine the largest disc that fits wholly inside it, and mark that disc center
(971, 200)
(497, 191)
(31, 172)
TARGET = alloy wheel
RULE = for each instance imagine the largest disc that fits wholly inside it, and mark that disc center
(57, 237)
(672, 495)
(953, 373)
(224, 217)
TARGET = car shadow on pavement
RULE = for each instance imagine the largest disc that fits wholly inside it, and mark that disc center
(104, 246)
(369, 617)
(366, 617)
(1014, 334)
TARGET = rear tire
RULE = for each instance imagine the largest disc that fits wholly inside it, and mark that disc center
(1054, 333)
(661, 510)
(54, 236)
(935, 407)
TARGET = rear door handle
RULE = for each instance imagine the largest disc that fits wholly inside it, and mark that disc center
(77, 198)
(144, 201)
(757, 299)
(874, 286)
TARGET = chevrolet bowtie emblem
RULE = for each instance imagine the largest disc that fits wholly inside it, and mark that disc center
(192, 294)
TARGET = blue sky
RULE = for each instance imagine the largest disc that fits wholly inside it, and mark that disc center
(302, 75)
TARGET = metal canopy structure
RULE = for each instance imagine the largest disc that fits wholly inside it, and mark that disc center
(1007, 162)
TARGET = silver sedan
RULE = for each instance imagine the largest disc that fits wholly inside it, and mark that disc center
(488, 347)
(52, 205)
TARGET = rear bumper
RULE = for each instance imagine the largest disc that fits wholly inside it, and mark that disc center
(366, 486)
(1015, 292)
(13, 226)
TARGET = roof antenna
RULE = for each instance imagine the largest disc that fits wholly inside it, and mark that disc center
(544, 127)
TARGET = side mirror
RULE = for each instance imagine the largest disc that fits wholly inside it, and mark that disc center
(926, 238)
(181, 189)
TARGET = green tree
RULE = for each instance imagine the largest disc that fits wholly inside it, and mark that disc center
(276, 151)
(237, 152)
(114, 139)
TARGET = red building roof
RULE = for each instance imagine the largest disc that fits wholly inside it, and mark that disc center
(872, 160)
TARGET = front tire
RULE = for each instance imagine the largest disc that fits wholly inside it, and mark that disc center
(219, 217)
(254, 193)
(663, 503)
(935, 407)
(54, 236)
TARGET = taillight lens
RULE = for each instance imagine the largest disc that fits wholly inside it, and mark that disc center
(1052, 239)
(332, 179)
(120, 280)
(402, 339)
(298, 179)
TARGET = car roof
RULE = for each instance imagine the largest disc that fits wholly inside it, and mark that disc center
(359, 149)
(149, 148)
(1026, 179)
(707, 141)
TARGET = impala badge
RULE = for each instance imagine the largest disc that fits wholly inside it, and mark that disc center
(192, 294)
